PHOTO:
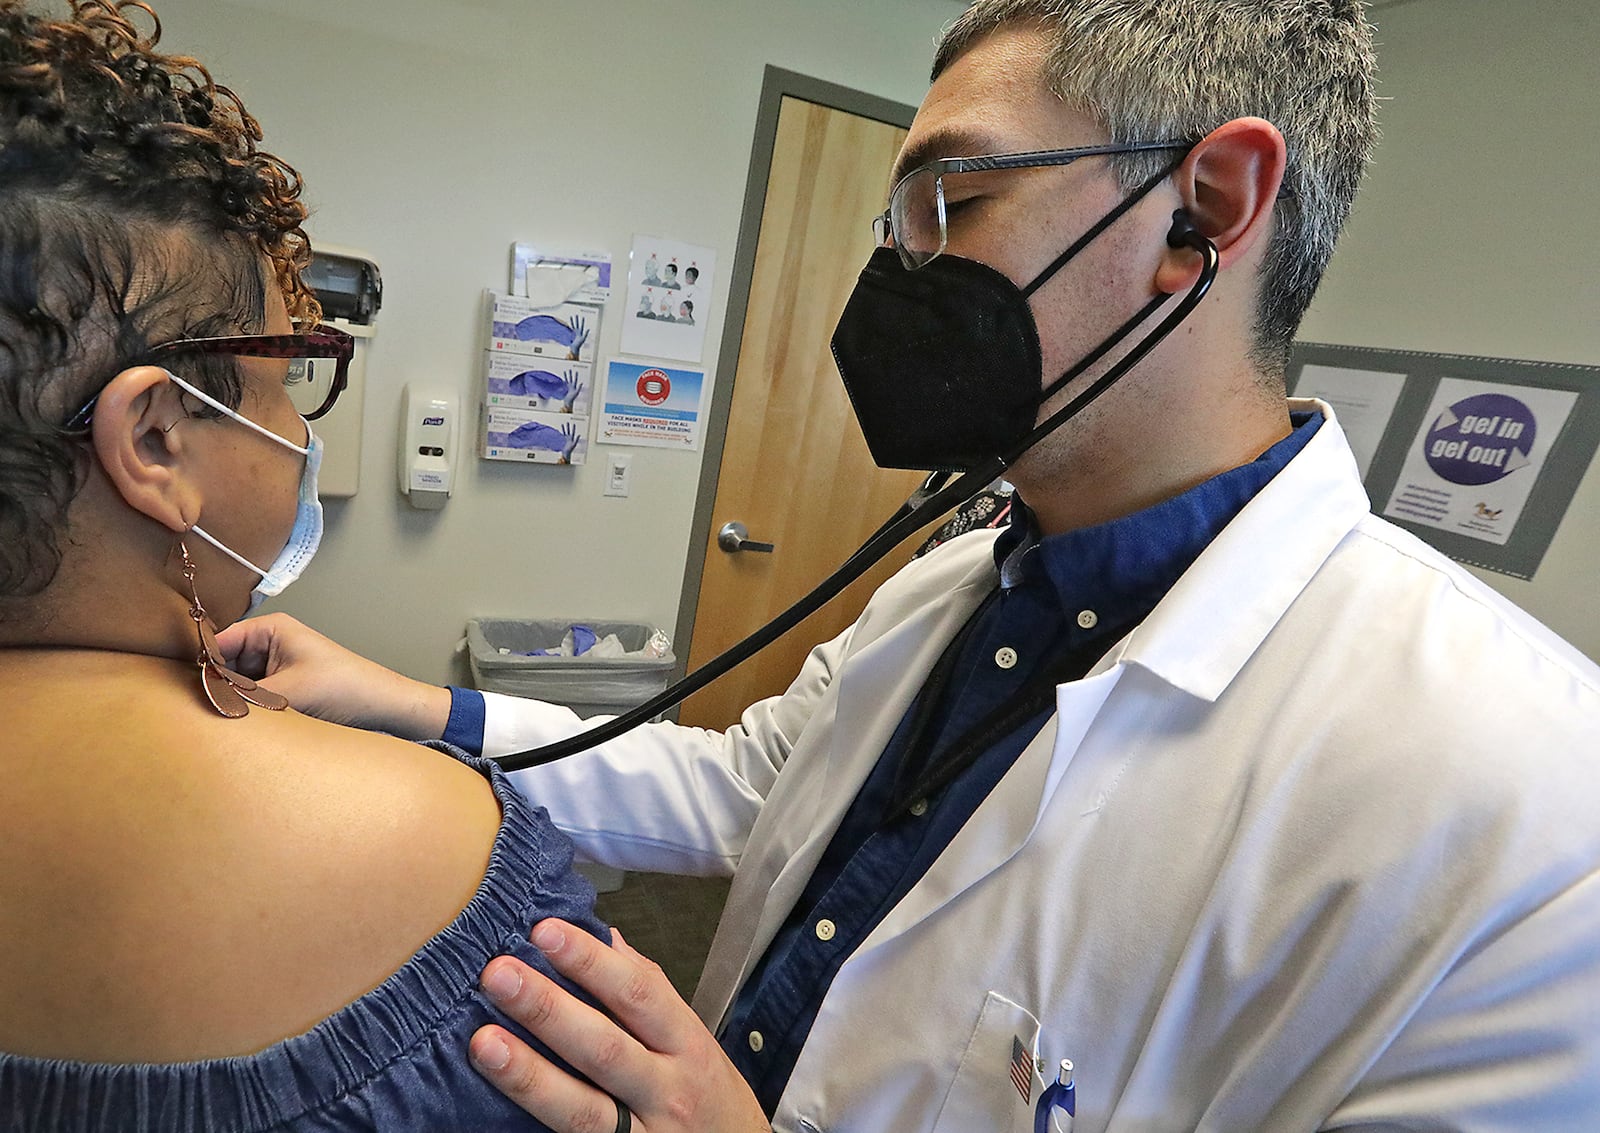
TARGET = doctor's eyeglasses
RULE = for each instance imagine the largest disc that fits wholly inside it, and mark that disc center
(916, 219)
(319, 364)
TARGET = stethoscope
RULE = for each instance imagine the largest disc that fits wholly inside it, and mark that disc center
(937, 496)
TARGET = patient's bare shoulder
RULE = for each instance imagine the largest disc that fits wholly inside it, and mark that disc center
(183, 886)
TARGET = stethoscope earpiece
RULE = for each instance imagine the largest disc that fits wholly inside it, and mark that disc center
(1184, 234)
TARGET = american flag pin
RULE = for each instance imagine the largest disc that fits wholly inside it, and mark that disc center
(1021, 1068)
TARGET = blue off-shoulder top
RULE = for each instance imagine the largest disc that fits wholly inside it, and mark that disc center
(394, 1060)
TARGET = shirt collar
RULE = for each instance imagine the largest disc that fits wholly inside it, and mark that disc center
(1133, 561)
(1208, 626)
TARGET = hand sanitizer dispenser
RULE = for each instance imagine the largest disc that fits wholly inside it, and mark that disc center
(427, 446)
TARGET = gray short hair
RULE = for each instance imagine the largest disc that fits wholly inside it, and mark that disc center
(1149, 70)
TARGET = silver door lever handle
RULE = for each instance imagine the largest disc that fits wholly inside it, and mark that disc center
(735, 537)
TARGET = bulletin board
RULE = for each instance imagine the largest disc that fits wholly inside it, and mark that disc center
(1479, 457)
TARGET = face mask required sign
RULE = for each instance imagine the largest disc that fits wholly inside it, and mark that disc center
(653, 405)
(1477, 456)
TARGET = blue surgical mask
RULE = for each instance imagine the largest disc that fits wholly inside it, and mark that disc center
(307, 533)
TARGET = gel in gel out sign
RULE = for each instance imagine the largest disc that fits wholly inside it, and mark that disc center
(1481, 439)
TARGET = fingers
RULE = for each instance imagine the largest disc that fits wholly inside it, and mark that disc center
(622, 946)
(322, 678)
(631, 987)
(594, 1045)
(678, 1081)
(248, 645)
(538, 1086)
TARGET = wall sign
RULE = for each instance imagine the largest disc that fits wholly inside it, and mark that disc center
(653, 404)
(1478, 456)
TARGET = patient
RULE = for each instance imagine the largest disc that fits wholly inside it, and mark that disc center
(215, 914)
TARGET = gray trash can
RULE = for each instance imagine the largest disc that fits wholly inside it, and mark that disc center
(590, 686)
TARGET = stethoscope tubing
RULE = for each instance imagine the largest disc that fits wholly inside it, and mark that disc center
(935, 498)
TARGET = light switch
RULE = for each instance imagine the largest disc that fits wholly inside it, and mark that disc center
(619, 475)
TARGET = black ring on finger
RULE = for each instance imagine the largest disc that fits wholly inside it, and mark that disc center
(624, 1117)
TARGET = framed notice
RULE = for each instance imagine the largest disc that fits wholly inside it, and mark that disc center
(1478, 456)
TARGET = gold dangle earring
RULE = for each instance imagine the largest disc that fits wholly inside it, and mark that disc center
(230, 693)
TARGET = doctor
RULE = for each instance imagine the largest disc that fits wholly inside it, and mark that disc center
(1261, 812)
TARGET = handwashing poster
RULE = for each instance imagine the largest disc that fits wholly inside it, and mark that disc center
(1474, 462)
(669, 299)
(652, 405)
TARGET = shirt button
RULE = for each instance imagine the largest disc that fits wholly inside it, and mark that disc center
(1006, 657)
(756, 1041)
(1088, 619)
(826, 930)
(919, 808)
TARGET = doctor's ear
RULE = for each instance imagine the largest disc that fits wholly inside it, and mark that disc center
(138, 448)
(1229, 184)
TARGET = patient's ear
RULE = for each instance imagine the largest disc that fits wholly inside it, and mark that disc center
(140, 451)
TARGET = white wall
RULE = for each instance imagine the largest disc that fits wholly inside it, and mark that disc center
(434, 133)
(1477, 229)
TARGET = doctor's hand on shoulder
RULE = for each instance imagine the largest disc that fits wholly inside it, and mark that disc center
(655, 1067)
(322, 678)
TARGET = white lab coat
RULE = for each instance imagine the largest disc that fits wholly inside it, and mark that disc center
(1315, 847)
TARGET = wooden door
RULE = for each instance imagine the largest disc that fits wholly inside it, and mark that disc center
(795, 469)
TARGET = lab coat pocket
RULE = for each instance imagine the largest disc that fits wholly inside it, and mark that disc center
(998, 1079)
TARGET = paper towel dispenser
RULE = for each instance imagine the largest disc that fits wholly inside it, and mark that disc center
(348, 286)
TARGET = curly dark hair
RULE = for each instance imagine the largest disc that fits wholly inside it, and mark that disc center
(135, 207)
